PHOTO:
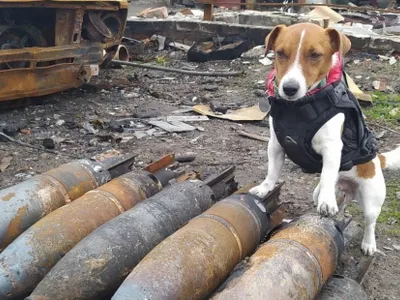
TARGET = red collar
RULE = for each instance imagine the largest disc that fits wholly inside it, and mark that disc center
(334, 75)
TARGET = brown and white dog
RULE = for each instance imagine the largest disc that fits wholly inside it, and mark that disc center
(304, 55)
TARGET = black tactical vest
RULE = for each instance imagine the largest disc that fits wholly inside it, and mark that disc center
(296, 123)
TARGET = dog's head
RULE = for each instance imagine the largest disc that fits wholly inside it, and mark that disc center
(303, 56)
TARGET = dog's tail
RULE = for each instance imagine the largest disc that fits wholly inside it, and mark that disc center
(390, 160)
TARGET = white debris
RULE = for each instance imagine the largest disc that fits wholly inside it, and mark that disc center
(392, 61)
(266, 61)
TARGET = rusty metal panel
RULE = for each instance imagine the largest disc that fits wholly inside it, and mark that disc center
(65, 1)
(68, 26)
(61, 48)
(38, 54)
(31, 82)
(91, 4)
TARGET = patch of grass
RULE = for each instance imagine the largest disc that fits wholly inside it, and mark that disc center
(161, 60)
(391, 208)
(389, 218)
(390, 230)
(386, 107)
(354, 209)
(390, 214)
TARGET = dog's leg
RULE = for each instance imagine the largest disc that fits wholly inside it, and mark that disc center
(371, 195)
(328, 143)
(276, 158)
(316, 194)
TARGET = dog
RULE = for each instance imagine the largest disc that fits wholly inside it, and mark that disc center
(306, 55)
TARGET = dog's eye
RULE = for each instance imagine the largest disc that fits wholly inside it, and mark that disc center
(281, 54)
(315, 55)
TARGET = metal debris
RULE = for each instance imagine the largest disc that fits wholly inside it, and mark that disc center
(165, 69)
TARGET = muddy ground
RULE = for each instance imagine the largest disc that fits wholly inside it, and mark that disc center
(137, 94)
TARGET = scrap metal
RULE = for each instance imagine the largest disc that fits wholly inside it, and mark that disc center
(118, 246)
(193, 261)
(294, 264)
(51, 46)
(174, 70)
(28, 259)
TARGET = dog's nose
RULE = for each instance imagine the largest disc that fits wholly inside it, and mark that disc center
(290, 88)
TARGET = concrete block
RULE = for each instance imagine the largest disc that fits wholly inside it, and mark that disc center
(191, 31)
(380, 44)
(228, 17)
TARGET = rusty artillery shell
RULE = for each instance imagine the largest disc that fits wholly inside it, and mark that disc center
(342, 288)
(24, 204)
(96, 267)
(193, 261)
(294, 264)
(32, 255)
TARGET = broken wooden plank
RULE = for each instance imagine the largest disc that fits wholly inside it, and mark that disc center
(174, 126)
(208, 12)
(183, 110)
(253, 136)
(179, 46)
(187, 118)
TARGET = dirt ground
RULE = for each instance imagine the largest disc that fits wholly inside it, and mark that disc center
(136, 94)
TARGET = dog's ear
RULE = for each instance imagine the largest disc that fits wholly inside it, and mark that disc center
(339, 42)
(272, 36)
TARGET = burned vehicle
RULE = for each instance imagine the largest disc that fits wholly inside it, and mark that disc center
(50, 46)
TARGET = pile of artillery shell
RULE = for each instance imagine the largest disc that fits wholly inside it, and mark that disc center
(25, 262)
(96, 267)
(178, 244)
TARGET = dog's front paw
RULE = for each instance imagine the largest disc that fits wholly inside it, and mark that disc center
(368, 248)
(327, 205)
(261, 190)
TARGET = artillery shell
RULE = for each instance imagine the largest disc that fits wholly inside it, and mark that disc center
(24, 204)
